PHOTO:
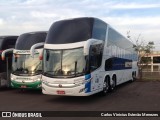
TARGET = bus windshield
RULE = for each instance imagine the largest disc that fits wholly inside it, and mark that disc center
(64, 63)
(24, 64)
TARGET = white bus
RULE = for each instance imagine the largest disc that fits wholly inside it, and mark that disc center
(84, 56)
(26, 70)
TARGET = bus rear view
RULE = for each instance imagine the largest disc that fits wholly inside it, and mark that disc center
(76, 55)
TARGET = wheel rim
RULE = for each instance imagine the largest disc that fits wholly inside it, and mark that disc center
(105, 87)
(133, 77)
(114, 83)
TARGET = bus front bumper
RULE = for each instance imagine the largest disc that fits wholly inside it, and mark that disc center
(74, 91)
(25, 85)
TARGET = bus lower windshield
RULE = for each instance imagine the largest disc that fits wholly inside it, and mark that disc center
(24, 64)
(64, 63)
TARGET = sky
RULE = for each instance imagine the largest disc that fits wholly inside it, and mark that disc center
(140, 17)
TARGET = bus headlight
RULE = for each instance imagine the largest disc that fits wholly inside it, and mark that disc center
(81, 81)
(45, 82)
(39, 86)
(11, 77)
(39, 78)
(82, 90)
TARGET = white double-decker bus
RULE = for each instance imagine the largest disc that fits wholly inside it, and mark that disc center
(84, 56)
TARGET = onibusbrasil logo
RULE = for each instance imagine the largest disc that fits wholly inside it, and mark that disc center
(21, 114)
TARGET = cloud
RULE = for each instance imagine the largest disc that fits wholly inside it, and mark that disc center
(148, 21)
(1, 22)
(134, 6)
(148, 27)
(34, 2)
(19, 16)
(38, 14)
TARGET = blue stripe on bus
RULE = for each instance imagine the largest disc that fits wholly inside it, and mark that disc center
(87, 76)
(88, 84)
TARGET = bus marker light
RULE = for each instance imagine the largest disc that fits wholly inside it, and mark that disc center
(60, 85)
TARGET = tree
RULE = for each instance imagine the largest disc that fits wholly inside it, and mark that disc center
(143, 51)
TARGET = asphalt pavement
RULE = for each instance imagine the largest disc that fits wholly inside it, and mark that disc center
(136, 96)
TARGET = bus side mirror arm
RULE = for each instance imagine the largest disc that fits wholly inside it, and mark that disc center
(34, 47)
(6, 51)
(88, 43)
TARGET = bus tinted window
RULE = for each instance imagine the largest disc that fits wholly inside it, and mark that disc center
(95, 56)
(70, 31)
(99, 30)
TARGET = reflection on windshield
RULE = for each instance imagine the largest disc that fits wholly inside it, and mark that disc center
(24, 64)
(59, 63)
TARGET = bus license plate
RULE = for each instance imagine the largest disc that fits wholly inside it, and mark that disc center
(23, 86)
(60, 92)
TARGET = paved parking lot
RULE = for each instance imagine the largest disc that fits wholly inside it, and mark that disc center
(136, 96)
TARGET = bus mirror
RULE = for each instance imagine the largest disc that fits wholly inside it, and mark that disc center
(86, 47)
(87, 69)
(75, 67)
(6, 51)
(47, 55)
(15, 60)
(88, 43)
(32, 50)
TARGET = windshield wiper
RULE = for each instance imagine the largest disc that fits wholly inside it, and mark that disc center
(48, 73)
(19, 69)
(37, 66)
(75, 67)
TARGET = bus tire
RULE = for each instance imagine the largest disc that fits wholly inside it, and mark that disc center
(133, 76)
(105, 86)
(112, 87)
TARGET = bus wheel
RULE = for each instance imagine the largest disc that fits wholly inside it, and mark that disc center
(105, 87)
(113, 85)
(133, 76)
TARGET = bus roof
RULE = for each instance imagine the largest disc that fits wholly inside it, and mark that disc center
(7, 42)
(26, 40)
(76, 30)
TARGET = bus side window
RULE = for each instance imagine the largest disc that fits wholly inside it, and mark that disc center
(108, 64)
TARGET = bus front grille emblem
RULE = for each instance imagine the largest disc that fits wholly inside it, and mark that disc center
(60, 85)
